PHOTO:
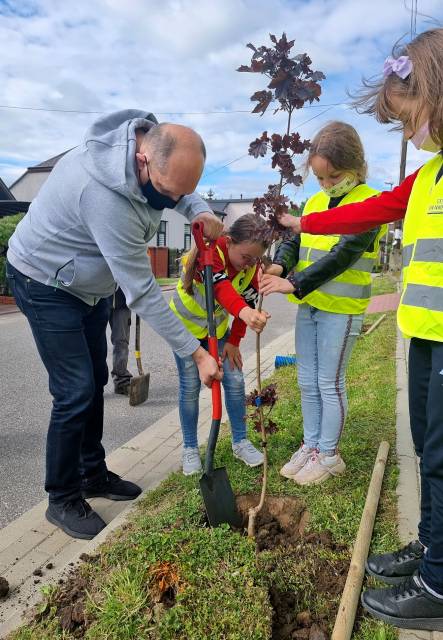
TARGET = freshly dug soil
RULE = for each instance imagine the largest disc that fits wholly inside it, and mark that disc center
(280, 530)
(281, 525)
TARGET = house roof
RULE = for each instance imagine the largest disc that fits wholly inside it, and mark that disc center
(220, 205)
(5, 194)
(49, 164)
(43, 167)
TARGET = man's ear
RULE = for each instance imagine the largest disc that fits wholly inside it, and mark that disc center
(141, 161)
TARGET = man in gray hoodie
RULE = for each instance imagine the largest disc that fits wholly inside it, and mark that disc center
(85, 233)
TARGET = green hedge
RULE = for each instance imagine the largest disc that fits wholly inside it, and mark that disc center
(7, 228)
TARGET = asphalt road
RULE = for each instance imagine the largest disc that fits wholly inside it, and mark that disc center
(25, 402)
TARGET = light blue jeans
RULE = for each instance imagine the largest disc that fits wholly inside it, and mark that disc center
(188, 398)
(323, 344)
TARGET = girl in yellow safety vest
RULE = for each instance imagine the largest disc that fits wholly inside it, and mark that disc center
(236, 261)
(410, 93)
(330, 281)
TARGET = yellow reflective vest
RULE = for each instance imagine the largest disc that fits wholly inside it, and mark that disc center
(349, 292)
(420, 313)
(191, 309)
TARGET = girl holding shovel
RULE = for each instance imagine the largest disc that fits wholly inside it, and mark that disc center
(235, 275)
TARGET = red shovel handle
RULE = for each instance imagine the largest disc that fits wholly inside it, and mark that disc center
(206, 260)
(216, 386)
(205, 251)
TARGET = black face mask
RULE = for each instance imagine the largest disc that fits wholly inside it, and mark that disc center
(157, 200)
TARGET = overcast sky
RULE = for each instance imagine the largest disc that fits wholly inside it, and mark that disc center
(181, 56)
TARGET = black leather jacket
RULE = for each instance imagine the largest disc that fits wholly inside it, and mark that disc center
(340, 258)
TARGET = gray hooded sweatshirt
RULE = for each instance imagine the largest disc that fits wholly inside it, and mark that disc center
(87, 230)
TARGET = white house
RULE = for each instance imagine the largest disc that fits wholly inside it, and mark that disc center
(28, 185)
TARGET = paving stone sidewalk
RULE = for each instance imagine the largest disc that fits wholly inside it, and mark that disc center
(385, 302)
(30, 543)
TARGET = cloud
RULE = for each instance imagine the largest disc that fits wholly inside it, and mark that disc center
(181, 56)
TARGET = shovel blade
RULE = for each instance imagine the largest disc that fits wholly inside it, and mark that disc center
(139, 389)
(219, 499)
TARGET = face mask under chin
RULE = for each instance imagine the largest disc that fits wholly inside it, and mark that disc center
(422, 139)
(341, 188)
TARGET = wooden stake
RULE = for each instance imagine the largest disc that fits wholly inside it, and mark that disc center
(374, 326)
(344, 622)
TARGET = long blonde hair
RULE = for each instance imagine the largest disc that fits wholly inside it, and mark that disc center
(340, 144)
(247, 228)
(424, 83)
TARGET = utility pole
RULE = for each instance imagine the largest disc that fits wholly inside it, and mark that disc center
(386, 247)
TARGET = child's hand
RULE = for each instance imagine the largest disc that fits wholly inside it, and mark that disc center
(232, 353)
(274, 284)
(273, 270)
(256, 320)
(291, 222)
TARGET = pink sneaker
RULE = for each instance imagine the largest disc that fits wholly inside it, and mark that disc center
(297, 461)
(319, 468)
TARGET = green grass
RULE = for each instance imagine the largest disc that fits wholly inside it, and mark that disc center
(384, 283)
(221, 586)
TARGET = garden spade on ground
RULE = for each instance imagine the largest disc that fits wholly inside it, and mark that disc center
(215, 487)
(139, 385)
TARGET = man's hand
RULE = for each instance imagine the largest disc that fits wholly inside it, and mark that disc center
(212, 226)
(291, 222)
(208, 368)
(232, 353)
(274, 284)
(256, 320)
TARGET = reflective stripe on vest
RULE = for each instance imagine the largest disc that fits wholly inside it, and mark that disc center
(419, 295)
(420, 313)
(407, 254)
(362, 264)
(191, 309)
(349, 292)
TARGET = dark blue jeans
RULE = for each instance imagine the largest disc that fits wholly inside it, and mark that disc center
(426, 414)
(71, 340)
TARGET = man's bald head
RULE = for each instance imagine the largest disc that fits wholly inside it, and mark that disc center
(176, 156)
(164, 139)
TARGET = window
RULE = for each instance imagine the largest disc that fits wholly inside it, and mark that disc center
(187, 240)
(161, 234)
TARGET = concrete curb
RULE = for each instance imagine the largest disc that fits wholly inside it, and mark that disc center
(30, 543)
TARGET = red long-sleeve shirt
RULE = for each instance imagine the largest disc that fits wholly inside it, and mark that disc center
(226, 295)
(361, 216)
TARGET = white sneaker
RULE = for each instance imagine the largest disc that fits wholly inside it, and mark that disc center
(319, 468)
(191, 461)
(297, 462)
(247, 453)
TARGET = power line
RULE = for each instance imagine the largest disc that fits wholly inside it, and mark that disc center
(247, 154)
(160, 113)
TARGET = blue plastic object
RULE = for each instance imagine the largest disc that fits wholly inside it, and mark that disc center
(284, 361)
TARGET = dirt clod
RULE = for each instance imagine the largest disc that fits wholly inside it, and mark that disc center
(317, 634)
(304, 619)
(4, 587)
(37, 572)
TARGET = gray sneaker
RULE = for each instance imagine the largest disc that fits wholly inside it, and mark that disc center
(191, 461)
(247, 453)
